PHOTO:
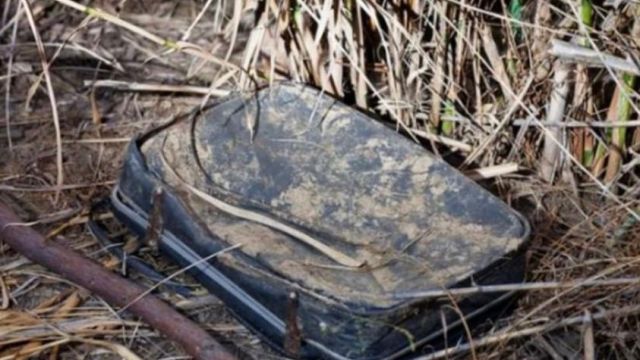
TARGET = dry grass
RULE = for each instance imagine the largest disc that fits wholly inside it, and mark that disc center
(554, 133)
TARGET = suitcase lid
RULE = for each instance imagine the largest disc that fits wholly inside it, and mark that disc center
(327, 197)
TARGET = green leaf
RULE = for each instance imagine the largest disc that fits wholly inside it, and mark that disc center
(515, 11)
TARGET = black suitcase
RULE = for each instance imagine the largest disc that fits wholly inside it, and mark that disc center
(330, 221)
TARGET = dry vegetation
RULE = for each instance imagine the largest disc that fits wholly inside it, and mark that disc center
(536, 99)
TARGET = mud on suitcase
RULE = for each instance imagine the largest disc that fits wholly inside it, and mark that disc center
(332, 219)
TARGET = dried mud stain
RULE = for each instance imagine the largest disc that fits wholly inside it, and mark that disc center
(373, 203)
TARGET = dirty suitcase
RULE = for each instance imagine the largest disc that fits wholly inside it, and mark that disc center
(319, 226)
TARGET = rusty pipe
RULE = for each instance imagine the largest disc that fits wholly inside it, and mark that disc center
(111, 287)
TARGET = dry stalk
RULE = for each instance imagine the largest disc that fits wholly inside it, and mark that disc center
(455, 144)
(171, 45)
(51, 94)
(622, 107)
(583, 140)
(540, 38)
(579, 124)
(251, 53)
(437, 82)
(551, 157)
(7, 98)
(635, 36)
(515, 105)
(4, 293)
(456, 70)
(612, 154)
(187, 33)
(17, 16)
(332, 40)
(489, 172)
(132, 86)
(588, 337)
(499, 70)
(5, 12)
(355, 39)
(592, 58)
(531, 286)
(619, 110)
(503, 336)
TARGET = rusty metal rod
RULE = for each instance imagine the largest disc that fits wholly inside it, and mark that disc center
(111, 287)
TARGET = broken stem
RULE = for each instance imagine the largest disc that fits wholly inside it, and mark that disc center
(622, 111)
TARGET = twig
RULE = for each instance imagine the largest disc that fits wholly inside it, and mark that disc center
(99, 141)
(587, 123)
(620, 108)
(109, 286)
(550, 285)
(437, 82)
(583, 140)
(493, 171)
(66, 326)
(187, 32)
(13, 21)
(182, 46)
(574, 53)
(4, 304)
(505, 336)
(134, 86)
(55, 188)
(491, 49)
(516, 103)
(589, 346)
(5, 12)
(7, 98)
(443, 140)
(199, 263)
(578, 124)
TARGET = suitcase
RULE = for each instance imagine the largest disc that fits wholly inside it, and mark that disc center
(319, 227)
